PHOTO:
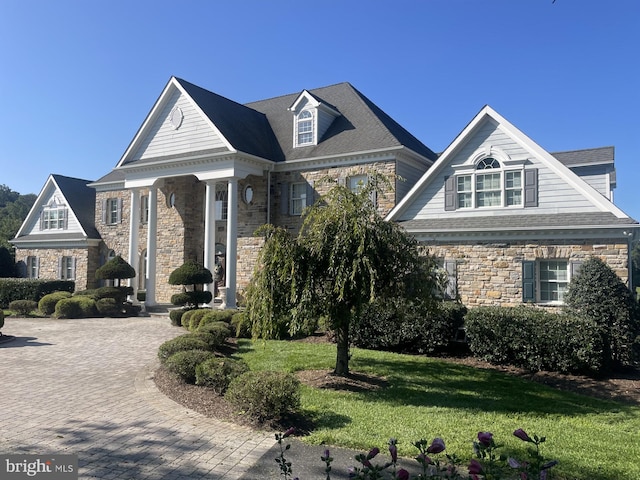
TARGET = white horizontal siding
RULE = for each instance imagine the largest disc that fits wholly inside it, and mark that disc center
(409, 176)
(555, 195)
(324, 122)
(73, 226)
(195, 134)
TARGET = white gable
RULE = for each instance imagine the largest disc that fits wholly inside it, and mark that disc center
(559, 190)
(50, 198)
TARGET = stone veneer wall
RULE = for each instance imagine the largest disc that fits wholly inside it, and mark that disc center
(386, 201)
(86, 263)
(491, 273)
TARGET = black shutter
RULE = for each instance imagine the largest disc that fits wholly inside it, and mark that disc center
(528, 281)
(450, 193)
(531, 187)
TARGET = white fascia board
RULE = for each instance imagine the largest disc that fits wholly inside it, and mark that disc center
(55, 244)
(35, 207)
(157, 107)
(341, 159)
(596, 198)
(442, 161)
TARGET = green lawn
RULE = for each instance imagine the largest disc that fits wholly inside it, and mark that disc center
(427, 398)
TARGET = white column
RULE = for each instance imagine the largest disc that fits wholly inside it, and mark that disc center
(232, 243)
(134, 223)
(152, 231)
(210, 231)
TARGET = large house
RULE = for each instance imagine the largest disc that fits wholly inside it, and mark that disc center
(509, 221)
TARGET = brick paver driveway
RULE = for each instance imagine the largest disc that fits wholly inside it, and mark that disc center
(85, 387)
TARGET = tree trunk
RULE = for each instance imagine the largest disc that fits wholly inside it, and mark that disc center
(342, 344)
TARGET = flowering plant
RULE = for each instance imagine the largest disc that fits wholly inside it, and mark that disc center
(487, 464)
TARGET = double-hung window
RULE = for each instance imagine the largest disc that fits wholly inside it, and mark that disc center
(67, 270)
(491, 185)
(304, 128)
(297, 198)
(144, 209)
(53, 218)
(32, 267)
(222, 204)
(112, 211)
(547, 280)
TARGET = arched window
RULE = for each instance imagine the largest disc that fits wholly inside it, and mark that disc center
(489, 186)
(304, 128)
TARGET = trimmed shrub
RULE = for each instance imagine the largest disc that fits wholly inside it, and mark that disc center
(108, 307)
(535, 339)
(402, 326)
(23, 307)
(188, 341)
(192, 299)
(597, 293)
(265, 395)
(240, 325)
(184, 363)
(194, 318)
(218, 373)
(30, 289)
(176, 316)
(75, 307)
(215, 333)
(213, 316)
(47, 304)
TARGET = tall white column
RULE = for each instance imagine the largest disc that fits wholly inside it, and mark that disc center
(210, 231)
(134, 223)
(232, 243)
(152, 232)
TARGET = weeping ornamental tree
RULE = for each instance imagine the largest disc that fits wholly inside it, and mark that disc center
(344, 257)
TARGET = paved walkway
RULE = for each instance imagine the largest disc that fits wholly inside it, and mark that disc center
(85, 387)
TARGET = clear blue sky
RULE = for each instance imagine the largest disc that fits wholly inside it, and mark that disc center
(77, 78)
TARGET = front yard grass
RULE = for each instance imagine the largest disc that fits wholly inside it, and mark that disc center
(426, 398)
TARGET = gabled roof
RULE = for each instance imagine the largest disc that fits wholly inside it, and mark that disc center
(590, 156)
(488, 114)
(361, 127)
(80, 198)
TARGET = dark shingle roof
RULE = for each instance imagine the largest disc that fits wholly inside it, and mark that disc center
(82, 201)
(246, 129)
(590, 156)
(362, 125)
(516, 222)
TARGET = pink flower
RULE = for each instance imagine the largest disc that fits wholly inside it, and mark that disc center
(436, 446)
(485, 438)
(393, 451)
(522, 435)
(373, 452)
(475, 467)
(402, 474)
(422, 459)
(288, 432)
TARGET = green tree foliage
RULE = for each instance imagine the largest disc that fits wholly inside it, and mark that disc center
(599, 294)
(115, 269)
(344, 257)
(194, 275)
(13, 210)
(7, 263)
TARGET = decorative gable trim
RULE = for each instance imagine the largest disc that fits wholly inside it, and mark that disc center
(311, 119)
(488, 114)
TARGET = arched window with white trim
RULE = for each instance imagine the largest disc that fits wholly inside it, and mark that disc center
(304, 128)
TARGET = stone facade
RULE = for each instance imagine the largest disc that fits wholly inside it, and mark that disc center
(491, 273)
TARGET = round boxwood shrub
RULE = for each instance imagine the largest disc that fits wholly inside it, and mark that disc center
(75, 307)
(23, 307)
(213, 316)
(184, 363)
(265, 395)
(217, 373)
(176, 316)
(188, 341)
(195, 317)
(47, 304)
(240, 324)
(215, 334)
(108, 307)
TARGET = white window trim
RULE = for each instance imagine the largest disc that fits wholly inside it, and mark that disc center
(302, 198)
(296, 128)
(473, 172)
(539, 281)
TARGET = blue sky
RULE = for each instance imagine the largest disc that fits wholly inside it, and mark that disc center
(79, 77)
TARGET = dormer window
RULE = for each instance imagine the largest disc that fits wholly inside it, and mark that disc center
(304, 127)
(491, 184)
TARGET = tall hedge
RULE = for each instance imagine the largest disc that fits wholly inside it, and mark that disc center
(599, 294)
(30, 289)
(535, 339)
